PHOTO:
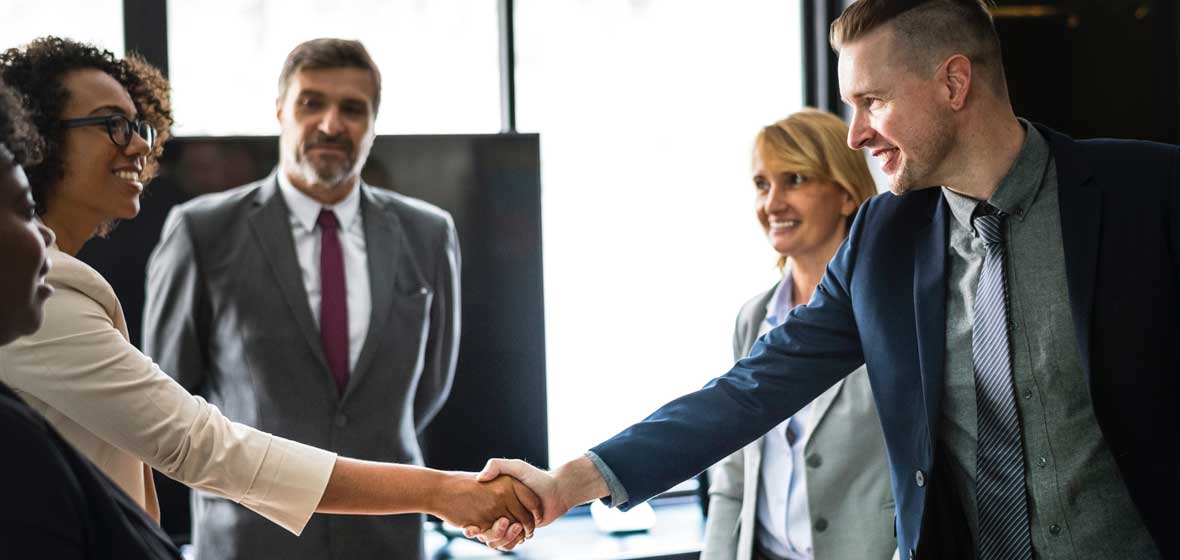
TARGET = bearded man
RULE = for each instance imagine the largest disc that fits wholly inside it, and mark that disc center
(312, 306)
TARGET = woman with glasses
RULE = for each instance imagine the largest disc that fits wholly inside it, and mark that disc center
(816, 486)
(104, 121)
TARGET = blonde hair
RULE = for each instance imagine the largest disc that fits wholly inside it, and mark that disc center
(813, 143)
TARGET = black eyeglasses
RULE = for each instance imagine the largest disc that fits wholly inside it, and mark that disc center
(119, 128)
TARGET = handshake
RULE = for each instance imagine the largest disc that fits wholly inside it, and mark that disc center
(510, 498)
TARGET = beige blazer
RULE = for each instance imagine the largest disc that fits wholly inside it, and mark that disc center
(119, 410)
(849, 496)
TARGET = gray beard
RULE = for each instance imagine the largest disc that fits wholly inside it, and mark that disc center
(331, 177)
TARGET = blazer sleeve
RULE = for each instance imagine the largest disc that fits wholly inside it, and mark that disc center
(81, 365)
(816, 346)
(175, 311)
(442, 346)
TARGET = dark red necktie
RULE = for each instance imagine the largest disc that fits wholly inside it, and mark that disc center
(333, 299)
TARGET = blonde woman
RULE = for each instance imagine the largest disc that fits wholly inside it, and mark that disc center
(817, 485)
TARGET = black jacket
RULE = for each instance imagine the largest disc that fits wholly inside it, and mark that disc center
(56, 504)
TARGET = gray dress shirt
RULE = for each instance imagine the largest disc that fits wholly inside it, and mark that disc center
(1078, 504)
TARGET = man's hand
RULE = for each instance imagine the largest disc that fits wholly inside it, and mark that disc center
(488, 504)
(574, 483)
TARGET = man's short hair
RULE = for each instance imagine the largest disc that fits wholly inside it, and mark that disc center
(326, 53)
(929, 31)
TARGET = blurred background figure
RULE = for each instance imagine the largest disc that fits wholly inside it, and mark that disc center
(312, 305)
(817, 485)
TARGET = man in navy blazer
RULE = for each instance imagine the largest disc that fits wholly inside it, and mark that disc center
(1093, 245)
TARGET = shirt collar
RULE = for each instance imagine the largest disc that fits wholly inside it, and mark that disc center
(1018, 188)
(307, 209)
(782, 301)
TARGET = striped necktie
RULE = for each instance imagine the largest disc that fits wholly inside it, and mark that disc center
(1003, 504)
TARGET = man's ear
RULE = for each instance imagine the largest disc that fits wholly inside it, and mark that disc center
(956, 78)
(279, 109)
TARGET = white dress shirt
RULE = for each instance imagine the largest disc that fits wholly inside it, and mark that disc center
(304, 211)
(784, 520)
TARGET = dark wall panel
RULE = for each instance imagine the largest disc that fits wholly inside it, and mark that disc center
(1094, 68)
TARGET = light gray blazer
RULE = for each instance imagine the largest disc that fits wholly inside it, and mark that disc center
(849, 496)
(227, 315)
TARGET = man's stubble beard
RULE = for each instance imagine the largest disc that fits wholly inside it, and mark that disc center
(916, 173)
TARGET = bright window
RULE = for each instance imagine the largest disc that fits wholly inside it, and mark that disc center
(647, 112)
(99, 22)
(439, 61)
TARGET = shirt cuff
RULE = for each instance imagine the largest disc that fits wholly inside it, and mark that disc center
(290, 483)
(618, 494)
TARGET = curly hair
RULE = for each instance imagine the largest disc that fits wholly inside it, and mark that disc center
(19, 142)
(36, 72)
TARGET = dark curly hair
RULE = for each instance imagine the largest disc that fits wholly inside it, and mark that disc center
(36, 70)
(19, 142)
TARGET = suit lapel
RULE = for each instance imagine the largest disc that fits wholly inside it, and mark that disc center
(383, 247)
(1081, 222)
(930, 242)
(752, 318)
(823, 402)
(270, 223)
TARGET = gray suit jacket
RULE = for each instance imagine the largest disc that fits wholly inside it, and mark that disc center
(227, 315)
(849, 496)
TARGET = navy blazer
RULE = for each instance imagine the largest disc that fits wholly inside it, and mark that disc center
(883, 301)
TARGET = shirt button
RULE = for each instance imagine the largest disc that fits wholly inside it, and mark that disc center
(1041, 461)
(920, 478)
(341, 421)
(1055, 529)
(821, 525)
(814, 461)
(1027, 394)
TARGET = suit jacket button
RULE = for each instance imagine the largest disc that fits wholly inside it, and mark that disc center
(821, 525)
(341, 421)
(814, 461)
(920, 478)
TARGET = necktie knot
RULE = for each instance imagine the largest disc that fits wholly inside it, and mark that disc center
(989, 223)
(327, 220)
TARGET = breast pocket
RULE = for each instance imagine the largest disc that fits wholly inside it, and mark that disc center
(409, 317)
